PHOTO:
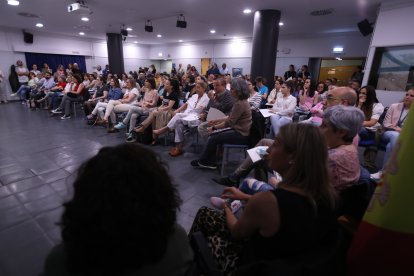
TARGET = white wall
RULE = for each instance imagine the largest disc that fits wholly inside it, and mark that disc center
(393, 27)
(237, 54)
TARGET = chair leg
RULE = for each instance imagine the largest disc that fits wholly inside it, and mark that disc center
(224, 160)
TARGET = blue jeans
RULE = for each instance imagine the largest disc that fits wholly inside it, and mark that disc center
(390, 137)
(251, 186)
(23, 91)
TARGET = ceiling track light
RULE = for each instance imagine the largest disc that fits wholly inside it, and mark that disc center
(148, 26)
(13, 2)
(181, 23)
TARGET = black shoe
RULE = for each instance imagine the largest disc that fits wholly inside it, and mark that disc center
(225, 181)
(207, 165)
(195, 164)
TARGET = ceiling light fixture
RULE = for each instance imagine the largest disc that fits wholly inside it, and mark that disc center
(338, 49)
(158, 35)
(81, 33)
(181, 23)
(281, 23)
(13, 2)
(247, 11)
(39, 25)
(180, 40)
(213, 31)
(160, 54)
(85, 19)
(148, 26)
(135, 42)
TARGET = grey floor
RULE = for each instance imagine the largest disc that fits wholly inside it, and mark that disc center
(38, 158)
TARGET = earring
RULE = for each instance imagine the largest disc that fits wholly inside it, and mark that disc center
(290, 162)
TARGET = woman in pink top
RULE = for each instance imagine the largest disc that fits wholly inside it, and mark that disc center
(307, 96)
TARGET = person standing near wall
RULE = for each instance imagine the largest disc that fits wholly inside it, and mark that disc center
(3, 96)
(22, 73)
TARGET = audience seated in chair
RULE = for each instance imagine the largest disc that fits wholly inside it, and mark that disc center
(190, 110)
(304, 199)
(74, 95)
(160, 117)
(236, 126)
(121, 219)
(121, 105)
(99, 95)
(142, 108)
(372, 108)
(115, 93)
(392, 126)
(283, 109)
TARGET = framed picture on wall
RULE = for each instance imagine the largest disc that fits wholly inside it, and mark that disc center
(236, 72)
(393, 68)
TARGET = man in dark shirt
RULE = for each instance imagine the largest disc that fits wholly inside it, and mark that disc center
(221, 99)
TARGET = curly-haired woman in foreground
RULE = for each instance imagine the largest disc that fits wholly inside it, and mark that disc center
(121, 219)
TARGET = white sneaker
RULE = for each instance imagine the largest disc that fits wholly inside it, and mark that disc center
(376, 176)
(57, 111)
(217, 202)
(13, 94)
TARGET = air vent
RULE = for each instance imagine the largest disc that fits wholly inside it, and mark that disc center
(322, 12)
(29, 15)
(83, 28)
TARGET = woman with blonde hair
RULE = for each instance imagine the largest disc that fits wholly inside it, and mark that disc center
(304, 199)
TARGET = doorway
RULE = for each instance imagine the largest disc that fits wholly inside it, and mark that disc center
(205, 64)
(339, 69)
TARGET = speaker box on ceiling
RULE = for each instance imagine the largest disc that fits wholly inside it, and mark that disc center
(28, 37)
(365, 27)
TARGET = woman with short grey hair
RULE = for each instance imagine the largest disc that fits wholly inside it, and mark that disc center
(340, 125)
(233, 129)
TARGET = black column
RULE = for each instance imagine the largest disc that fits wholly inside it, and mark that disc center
(115, 53)
(264, 45)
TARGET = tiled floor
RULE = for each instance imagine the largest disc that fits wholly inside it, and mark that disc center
(38, 156)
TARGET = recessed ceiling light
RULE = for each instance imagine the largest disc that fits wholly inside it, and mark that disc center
(213, 31)
(338, 49)
(281, 23)
(81, 33)
(39, 25)
(129, 29)
(180, 40)
(135, 41)
(13, 2)
(247, 11)
(85, 19)
(160, 54)
(158, 35)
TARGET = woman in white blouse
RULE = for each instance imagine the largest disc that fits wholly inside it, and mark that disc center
(122, 105)
(283, 109)
(271, 99)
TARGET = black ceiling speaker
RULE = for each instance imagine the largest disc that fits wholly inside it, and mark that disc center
(27, 37)
(181, 23)
(124, 32)
(148, 26)
(365, 27)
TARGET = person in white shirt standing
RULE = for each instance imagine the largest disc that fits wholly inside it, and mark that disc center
(3, 96)
(22, 73)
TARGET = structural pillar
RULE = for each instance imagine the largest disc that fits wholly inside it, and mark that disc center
(115, 53)
(264, 45)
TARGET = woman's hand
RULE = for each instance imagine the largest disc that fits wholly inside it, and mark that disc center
(234, 193)
(210, 130)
